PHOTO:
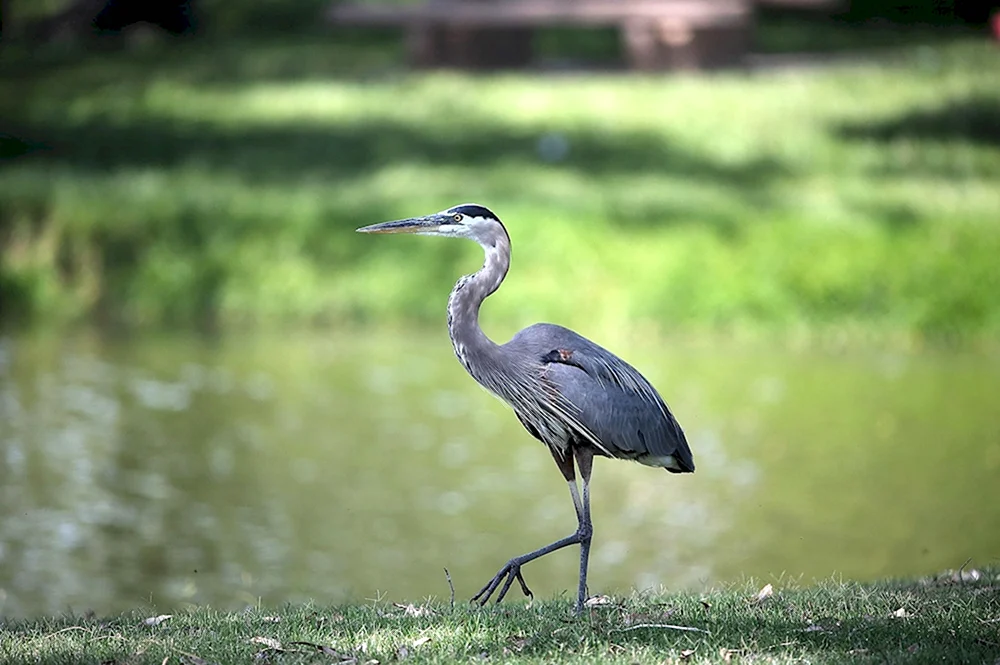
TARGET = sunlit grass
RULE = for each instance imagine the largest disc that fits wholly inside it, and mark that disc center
(223, 182)
(942, 620)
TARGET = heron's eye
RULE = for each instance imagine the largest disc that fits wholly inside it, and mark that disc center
(457, 217)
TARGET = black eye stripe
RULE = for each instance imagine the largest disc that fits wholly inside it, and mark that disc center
(473, 210)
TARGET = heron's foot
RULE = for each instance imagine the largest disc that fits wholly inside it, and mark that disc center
(510, 572)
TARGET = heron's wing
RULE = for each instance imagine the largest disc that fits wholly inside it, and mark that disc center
(617, 404)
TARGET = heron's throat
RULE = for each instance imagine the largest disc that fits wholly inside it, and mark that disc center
(470, 291)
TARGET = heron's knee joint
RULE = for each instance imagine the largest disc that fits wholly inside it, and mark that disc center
(585, 532)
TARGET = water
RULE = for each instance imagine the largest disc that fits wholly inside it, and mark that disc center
(160, 471)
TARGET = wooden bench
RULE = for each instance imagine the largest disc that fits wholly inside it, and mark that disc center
(828, 6)
(656, 34)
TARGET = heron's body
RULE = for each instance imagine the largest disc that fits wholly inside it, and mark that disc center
(576, 397)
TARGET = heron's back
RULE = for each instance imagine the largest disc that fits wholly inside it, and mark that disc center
(586, 395)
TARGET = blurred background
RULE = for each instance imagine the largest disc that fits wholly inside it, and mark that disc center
(212, 391)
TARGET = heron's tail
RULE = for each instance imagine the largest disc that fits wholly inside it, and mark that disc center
(684, 460)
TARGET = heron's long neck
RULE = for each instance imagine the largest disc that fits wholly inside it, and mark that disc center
(467, 337)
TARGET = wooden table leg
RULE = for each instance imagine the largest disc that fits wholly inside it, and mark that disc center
(657, 45)
(468, 48)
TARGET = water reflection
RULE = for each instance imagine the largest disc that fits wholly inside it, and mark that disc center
(169, 470)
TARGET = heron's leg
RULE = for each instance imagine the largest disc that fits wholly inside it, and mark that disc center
(512, 569)
(585, 462)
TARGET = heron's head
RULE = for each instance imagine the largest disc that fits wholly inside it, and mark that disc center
(468, 220)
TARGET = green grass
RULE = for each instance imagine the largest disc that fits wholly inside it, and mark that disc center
(219, 183)
(926, 621)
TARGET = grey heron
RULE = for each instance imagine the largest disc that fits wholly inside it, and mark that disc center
(576, 397)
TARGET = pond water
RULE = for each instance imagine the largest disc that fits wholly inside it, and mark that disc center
(166, 470)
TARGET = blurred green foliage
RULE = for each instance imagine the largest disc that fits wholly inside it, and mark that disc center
(219, 182)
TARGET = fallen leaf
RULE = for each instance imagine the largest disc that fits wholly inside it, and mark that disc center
(973, 575)
(900, 613)
(959, 576)
(595, 601)
(421, 640)
(764, 593)
(726, 654)
(157, 620)
(687, 653)
(412, 610)
(269, 642)
(707, 605)
(271, 619)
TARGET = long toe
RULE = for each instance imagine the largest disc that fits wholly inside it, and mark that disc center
(484, 594)
(511, 575)
(524, 586)
(507, 575)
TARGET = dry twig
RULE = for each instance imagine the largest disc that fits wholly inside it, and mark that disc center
(451, 586)
(667, 626)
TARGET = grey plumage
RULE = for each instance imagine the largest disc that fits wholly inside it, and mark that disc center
(622, 414)
(573, 395)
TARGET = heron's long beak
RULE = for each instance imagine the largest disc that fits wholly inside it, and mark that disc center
(414, 225)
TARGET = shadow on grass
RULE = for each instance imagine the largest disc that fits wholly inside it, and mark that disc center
(927, 621)
(868, 639)
(973, 120)
(782, 31)
(863, 624)
(12, 147)
(332, 157)
(291, 154)
(203, 60)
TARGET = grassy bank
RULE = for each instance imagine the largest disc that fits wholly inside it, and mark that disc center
(926, 621)
(220, 182)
